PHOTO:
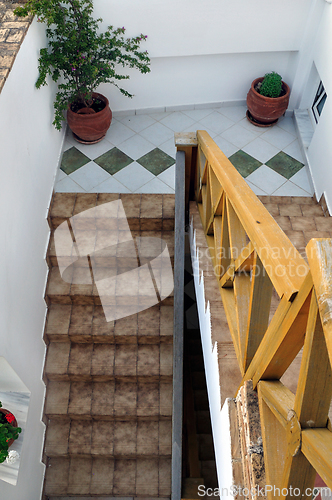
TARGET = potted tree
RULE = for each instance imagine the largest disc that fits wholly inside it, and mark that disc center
(267, 100)
(80, 58)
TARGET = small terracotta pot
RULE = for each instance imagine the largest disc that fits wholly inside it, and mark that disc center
(266, 110)
(87, 126)
(14, 424)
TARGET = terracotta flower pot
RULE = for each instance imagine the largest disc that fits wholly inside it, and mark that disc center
(87, 125)
(13, 423)
(266, 110)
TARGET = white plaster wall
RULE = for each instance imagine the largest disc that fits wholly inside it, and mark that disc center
(205, 52)
(188, 80)
(29, 153)
(193, 27)
(316, 50)
(219, 415)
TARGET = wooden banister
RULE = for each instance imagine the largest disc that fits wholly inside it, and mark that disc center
(251, 255)
(279, 257)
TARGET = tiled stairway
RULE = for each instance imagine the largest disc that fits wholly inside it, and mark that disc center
(109, 384)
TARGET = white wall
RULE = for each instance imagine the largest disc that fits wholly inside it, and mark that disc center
(177, 81)
(193, 27)
(219, 415)
(29, 152)
(315, 52)
(207, 51)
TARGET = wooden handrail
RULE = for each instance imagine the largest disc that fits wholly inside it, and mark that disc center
(279, 257)
(319, 253)
(242, 238)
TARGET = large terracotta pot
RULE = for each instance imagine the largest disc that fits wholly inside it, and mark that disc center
(88, 126)
(266, 110)
(14, 423)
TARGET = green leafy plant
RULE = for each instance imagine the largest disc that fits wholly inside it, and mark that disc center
(7, 432)
(78, 56)
(271, 85)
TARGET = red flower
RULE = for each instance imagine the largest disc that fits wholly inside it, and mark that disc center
(10, 418)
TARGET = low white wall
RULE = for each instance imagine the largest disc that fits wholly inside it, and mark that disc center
(190, 80)
(29, 153)
(204, 52)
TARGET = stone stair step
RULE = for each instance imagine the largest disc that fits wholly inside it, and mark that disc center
(209, 473)
(107, 476)
(205, 447)
(102, 362)
(195, 346)
(59, 291)
(107, 399)
(203, 422)
(198, 379)
(197, 362)
(143, 212)
(125, 439)
(87, 324)
(110, 261)
(201, 400)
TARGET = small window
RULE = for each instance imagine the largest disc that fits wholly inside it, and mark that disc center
(319, 101)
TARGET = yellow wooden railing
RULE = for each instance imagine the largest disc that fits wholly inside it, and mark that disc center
(251, 256)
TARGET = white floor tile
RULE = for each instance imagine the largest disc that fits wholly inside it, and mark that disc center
(68, 144)
(118, 132)
(301, 180)
(294, 150)
(155, 186)
(177, 121)
(168, 147)
(290, 189)
(133, 176)
(287, 123)
(67, 185)
(168, 176)
(138, 122)
(258, 191)
(238, 135)
(111, 185)
(257, 131)
(89, 176)
(60, 175)
(234, 113)
(261, 150)
(266, 179)
(136, 146)
(277, 137)
(217, 122)
(92, 151)
(198, 114)
(159, 115)
(226, 147)
(199, 126)
(157, 134)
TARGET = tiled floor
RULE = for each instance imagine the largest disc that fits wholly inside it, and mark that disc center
(138, 153)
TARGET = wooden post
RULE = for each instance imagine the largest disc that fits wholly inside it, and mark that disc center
(187, 142)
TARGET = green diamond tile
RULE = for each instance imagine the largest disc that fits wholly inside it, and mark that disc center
(113, 161)
(244, 163)
(72, 159)
(156, 161)
(284, 164)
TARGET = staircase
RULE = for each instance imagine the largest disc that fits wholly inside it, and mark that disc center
(109, 383)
